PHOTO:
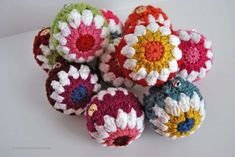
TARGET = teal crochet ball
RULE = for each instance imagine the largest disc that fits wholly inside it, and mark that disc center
(175, 109)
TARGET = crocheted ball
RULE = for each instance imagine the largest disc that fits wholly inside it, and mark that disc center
(70, 87)
(150, 54)
(80, 32)
(144, 15)
(114, 117)
(176, 109)
(114, 23)
(196, 55)
(44, 53)
(110, 69)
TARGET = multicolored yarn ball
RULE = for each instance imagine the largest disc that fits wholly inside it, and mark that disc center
(70, 87)
(150, 54)
(176, 109)
(114, 23)
(143, 15)
(115, 117)
(80, 32)
(110, 69)
(197, 55)
(43, 52)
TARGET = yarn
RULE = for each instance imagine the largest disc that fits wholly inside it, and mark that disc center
(114, 24)
(85, 46)
(110, 69)
(175, 109)
(70, 87)
(143, 15)
(80, 33)
(44, 53)
(149, 55)
(114, 117)
(197, 55)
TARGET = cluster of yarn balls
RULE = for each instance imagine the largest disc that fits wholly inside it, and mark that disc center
(93, 60)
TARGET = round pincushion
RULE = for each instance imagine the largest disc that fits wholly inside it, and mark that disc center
(144, 15)
(70, 87)
(80, 32)
(196, 55)
(150, 54)
(43, 52)
(176, 109)
(114, 117)
(114, 23)
(110, 68)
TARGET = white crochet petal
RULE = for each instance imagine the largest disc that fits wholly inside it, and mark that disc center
(109, 124)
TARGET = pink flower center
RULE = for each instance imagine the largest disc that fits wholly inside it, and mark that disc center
(85, 42)
(191, 55)
(153, 51)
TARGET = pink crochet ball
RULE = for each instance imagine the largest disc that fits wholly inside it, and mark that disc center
(110, 69)
(197, 55)
(80, 32)
(70, 87)
(114, 23)
(115, 117)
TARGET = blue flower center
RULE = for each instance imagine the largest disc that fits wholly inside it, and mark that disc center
(186, 125)
(79, 94)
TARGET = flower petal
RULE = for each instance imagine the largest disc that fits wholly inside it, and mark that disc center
(109, 124)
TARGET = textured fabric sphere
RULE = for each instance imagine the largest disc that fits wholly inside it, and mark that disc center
(70, 87)
(176, 109)
(80, 32)
(115, 117)
(144, 15)
(150, 54)
(197, 55)
(44, 53)
(114, 24)
(110, 69)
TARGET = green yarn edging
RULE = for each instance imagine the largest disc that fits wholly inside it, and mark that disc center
(62, 16)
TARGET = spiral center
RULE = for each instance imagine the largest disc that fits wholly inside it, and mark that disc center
(85, 42)
(79, 94)
(192, 55)
(186, 125)
(153, 51)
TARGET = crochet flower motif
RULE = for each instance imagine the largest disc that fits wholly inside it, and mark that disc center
(114, 23)
(114, 117)
(80, 33)
(110, 68)
(43, 52)
(149, 55)
(70, 88)
(176, 110)
(197, 55)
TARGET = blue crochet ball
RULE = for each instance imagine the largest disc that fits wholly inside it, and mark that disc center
(175, 109)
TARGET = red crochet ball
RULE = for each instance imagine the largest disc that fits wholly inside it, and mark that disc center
(197, 55)
(114, 117)
(142, 15)
(70, 87)
(44, 54)
(149, 55)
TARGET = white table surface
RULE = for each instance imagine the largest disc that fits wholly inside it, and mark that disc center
(30, 127)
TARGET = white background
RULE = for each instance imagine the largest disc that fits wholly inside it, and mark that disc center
(30, 127)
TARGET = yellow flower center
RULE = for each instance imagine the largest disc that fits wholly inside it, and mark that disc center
(153, 51)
